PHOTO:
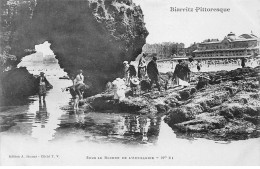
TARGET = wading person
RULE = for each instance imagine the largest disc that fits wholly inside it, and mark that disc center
(153, 72)
(74, 93)
(76, 90)
(142, 67)
(43, 84)
(79, 84)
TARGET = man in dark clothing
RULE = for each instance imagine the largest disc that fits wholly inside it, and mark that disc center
(177, 72)
(186, 71)
(131, 70)
(153, 72)
(43, 84)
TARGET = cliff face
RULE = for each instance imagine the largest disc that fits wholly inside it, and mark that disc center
(93, 35)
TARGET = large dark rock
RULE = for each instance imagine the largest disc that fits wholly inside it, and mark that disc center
(96, 36)
(17, 82)
(203, 123)
(183, 113)
(105, 102)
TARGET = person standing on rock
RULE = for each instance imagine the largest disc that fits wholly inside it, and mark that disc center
(177, 71)
(142, 67)
(189, 66)
(131, 70)
(43, 84)
(126, 72)
(153, 72)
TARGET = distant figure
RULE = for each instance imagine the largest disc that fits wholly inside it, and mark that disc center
(198, 66)
(243, 60)
(153, 72)
(126, 72)
(43, 84)
(142, 67)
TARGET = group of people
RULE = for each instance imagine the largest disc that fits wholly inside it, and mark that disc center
(145, 72)
(76, 90)
(227, 62)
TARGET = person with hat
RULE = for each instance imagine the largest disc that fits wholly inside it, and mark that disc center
(153, 72)
(43, 84)
(134, 83)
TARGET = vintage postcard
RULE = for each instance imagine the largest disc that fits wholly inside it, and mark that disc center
(130, 82)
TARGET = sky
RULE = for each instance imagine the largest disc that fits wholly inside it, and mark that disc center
(44, 48)
(189, 27)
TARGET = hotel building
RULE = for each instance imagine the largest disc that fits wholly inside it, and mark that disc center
(245, 45)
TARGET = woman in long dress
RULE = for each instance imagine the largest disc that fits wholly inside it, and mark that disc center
(142, 67)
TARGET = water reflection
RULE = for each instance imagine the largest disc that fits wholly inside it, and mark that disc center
(42, 115)
(110, 127)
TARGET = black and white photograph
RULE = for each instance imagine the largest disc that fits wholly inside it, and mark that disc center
(130, 83)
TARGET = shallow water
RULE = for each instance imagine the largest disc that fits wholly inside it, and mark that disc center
(77, 137)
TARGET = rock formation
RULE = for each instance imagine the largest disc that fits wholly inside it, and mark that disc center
(226, 109)
(16, 84)
(93, 35)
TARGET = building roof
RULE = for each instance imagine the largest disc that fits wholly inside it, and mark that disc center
(229, 49)
(231, 37)
(222, 57)
(248, 36)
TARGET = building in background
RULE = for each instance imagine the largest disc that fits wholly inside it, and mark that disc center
(245, 45)
(165, 50)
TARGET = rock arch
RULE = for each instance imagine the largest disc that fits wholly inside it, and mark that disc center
(80, 36)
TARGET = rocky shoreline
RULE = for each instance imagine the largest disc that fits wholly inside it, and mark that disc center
(228, 108)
